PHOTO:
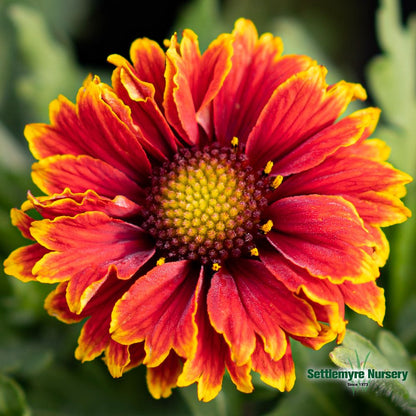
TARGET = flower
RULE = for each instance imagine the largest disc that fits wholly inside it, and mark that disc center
(207, 209)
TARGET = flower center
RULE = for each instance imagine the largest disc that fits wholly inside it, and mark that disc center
(206, 205)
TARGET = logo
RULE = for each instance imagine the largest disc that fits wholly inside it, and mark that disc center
(358, 377)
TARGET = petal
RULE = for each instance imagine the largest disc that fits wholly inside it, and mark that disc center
(326, 142)
(21, 262)
(117, 357)
(98, 126)
(298, 109)
(215, 66)
(298, 280)
(207, 365)
(192, 81)
(366, 298)
(379, 209)
(182, 68)
(95, 336)
(229, 317)
(80, 173)
(257, 69)
(278, 374)
(101, 244)
(326, 333)
(149, 64)
(153, 131)
(161, 379)
(57, 306)
(373, 149)
(166, 298)
(71, 204)
(136, 355)
(373, 187)
(323, 234)
(271, 309)
(22, 221)
(382, 248)
(240, 375)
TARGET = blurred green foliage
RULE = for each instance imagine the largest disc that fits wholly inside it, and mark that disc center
(39, 375)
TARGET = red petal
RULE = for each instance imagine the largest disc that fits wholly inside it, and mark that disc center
(215, 66)
(229, 317)
(298, 109)
(207, 365)
(21, 262)
(80, 173)
(382, 249)
(101, 243)
(323, 234)
(279, 374)
(161, 379)
(366, 298)
(159, 309)
(373, 187)
(373, 149)
(22, 221)
(70, 204)
(326, 142)
(57, 306)
(95, 335)
(192, 82)
(298, 280)
(153, 131)
(240, 375)
(182, 68)
(117, 357)
(257, 69)
(271, 309)
(326, 333)
(136, 354)
(149, 64)
(98, 126)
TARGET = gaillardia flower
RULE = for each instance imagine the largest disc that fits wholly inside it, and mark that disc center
(207, 209)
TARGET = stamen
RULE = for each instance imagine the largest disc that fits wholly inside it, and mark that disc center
(254, 252)
(234, 142)
(267, 226)
(216, 267)
(277, 181)
(166, 43)
(160, 261)
(268, 168)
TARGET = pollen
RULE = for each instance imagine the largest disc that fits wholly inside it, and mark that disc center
(160, 261)
(277, 181)
(254, 252)
(268, 168)
(206, 205)
(267, 226)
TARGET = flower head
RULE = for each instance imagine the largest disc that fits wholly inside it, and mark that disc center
(206, 209)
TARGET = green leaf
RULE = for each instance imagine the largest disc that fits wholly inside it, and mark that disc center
(12, 398)
(50, 67)
(12, 156)
(357, 352)
(392, 81)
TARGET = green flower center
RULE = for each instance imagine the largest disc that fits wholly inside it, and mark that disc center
(205, 205)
